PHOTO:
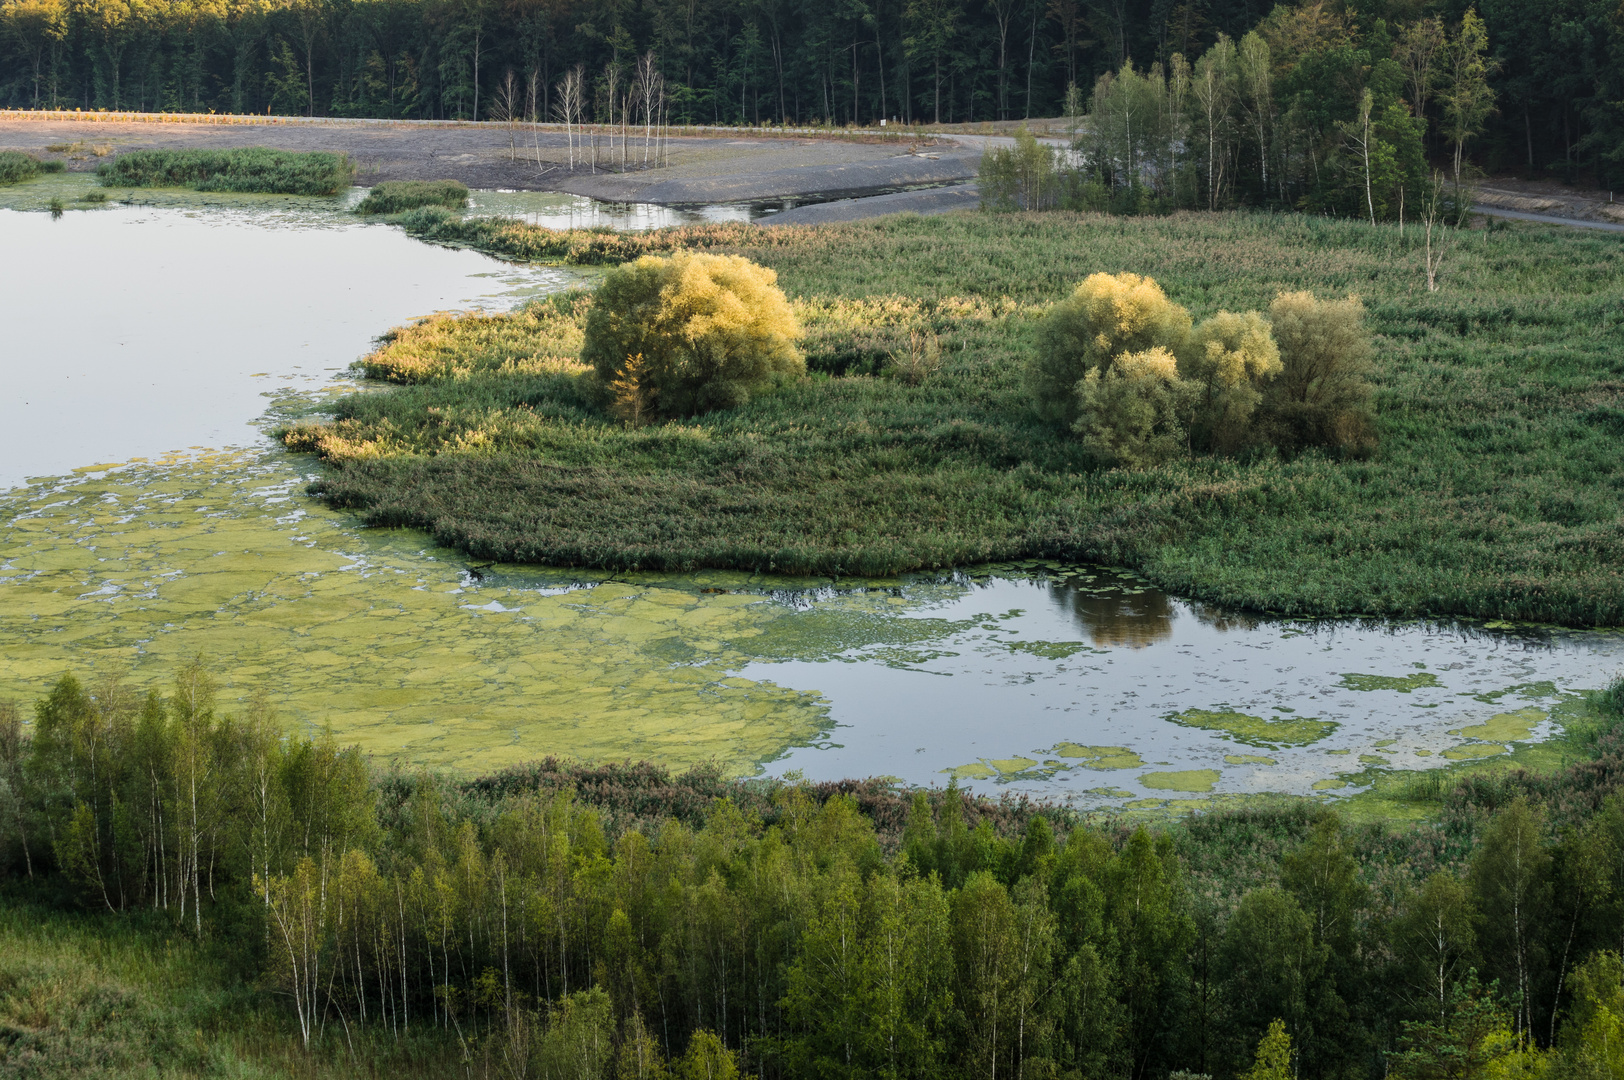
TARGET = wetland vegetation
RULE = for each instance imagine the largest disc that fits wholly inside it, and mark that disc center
(193, 892)
(398, 196)
(15, 166)
(252, 169)
(1493, 489)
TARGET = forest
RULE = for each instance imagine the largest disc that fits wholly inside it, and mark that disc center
(1545, 77)
(588, 921)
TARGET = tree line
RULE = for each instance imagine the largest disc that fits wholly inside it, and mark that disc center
(1308, 111)
(618, 921)
(1555, 67)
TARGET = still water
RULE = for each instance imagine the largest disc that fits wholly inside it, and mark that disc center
(160, 523)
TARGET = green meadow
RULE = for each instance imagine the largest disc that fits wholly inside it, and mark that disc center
(1494, 491)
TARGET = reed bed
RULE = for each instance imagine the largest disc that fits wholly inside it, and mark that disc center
(252, 169)
(1496, 491)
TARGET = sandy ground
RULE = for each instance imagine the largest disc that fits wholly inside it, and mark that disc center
(704, 169)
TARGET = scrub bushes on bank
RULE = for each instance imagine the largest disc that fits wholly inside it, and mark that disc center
(16, 166)
(1105, 366)
(672, 337)
(398, 196)
(253, 169)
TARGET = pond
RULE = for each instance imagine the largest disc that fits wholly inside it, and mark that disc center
(160, 522)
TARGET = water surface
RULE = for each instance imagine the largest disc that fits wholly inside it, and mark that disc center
(133, 331)
(162, 523)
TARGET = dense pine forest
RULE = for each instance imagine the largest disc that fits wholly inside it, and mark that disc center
(575, 921)
(1531, 85)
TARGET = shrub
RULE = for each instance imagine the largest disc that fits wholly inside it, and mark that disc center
(398, 196)
(1107, 315)
(1322, 396)
(1022, 177)
(1128, 413)
(682, 335)
(255, 169)
(1227, 359)
(16, 166)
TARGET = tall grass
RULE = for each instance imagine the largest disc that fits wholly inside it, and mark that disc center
(1497, 490)
(398, 196)
(99, 995)
(16, 166)
(253, 169)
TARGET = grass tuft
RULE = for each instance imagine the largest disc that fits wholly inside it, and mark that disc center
(398, 196)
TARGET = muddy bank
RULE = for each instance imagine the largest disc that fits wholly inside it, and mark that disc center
(938, 200)
(699, 169)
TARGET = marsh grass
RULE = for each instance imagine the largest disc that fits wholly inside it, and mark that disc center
(1497, 490)
(252, 169)
(398, 196)
(93, 994)
(16, 167)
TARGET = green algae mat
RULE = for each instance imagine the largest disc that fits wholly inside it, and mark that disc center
(1071, 681)
(136, 568)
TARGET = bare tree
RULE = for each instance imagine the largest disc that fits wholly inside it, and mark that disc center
(611, 88)
(650, 88)
(507, 107)
(1357, 137)
(568, 105)
(1432, 217)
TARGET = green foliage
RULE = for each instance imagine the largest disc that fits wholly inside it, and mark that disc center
(1021, 177)
(690, 333)
(1106, 316)
(16, 166)
(1511, 888)
(398, 196)
(1227, 358)
(1273, 1060)
(594, 921)
(1322, 395)
(255, 168)
(1273, 960)
(1130, 414)
(1593, 1037)
(1472, 1038)
(707, 1059)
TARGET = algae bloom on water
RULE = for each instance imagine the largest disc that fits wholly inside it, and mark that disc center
(252, 169)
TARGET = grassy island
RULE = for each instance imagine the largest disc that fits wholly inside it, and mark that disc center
(398, 196)
(1495, 489)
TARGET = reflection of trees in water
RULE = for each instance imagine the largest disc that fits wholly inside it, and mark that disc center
(1222, 620)
(1111, 617)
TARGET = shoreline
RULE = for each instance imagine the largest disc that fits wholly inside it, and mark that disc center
(703, 166)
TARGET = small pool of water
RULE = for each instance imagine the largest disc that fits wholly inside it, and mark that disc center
(162, 523)
(558, 210)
